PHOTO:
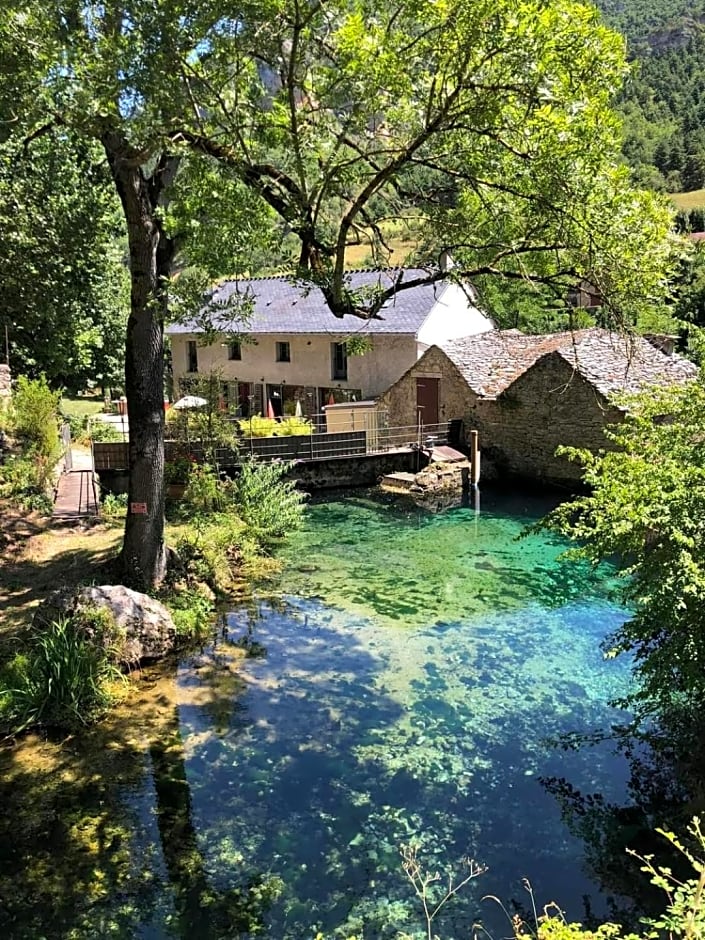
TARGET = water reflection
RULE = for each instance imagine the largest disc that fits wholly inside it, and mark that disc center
(666, 788)
(404, 687)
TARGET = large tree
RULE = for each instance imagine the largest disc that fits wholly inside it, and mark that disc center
(485, 126)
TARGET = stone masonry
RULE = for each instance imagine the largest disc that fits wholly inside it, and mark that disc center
(528, 395)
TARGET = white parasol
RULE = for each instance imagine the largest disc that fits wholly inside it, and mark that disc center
(190, 401)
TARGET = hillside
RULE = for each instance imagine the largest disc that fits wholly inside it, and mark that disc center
(652, 23)
(663, 103)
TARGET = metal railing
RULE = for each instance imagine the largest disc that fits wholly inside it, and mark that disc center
(376, 438)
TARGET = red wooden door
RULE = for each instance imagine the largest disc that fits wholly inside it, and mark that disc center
(427, 400)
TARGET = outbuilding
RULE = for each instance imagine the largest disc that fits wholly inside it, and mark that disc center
(527, 395)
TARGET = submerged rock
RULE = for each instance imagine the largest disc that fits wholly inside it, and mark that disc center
(134, 626)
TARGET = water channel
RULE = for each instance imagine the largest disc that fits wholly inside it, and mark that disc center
(405, 679)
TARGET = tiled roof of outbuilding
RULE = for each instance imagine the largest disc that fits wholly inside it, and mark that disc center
(281, 306)
(611, 362)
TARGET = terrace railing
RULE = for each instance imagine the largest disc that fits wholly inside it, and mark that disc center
(376, 438)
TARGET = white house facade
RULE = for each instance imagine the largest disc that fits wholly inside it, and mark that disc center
(293, 353)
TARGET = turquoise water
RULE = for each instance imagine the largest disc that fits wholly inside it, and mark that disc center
(414, 670)
(403, 690)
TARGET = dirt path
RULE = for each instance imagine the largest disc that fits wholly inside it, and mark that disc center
(41, 554)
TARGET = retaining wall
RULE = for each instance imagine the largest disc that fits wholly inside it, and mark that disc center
(320, 474)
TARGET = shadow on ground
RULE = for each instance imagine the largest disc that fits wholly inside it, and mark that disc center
(39, 557)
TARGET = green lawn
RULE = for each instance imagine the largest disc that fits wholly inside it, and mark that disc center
(80, 407)
(692, 200)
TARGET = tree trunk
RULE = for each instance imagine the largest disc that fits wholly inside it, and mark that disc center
(143, 555)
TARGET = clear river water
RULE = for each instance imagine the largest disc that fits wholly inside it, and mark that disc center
(406, 678)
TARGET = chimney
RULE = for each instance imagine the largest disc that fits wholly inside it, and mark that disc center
(445, 261)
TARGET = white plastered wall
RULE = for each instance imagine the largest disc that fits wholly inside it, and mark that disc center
(453, 315)
(310, 365)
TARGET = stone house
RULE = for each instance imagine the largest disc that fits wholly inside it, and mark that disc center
(291, 350)
(526, 395)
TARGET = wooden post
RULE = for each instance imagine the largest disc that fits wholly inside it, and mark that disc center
(474, 459)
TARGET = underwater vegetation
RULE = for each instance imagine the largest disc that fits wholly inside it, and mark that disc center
(402, 686)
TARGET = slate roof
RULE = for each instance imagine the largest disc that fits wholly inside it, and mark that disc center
(283, 307)
(611, 362)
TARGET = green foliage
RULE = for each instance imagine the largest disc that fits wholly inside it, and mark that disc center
(192, 611)
(215, 550)
(663, 101)
(209, 426)
(62, 276)
(25, 480)
(641, 19)
(685, 914)
(205, 492)
(178, 469)
(463, 115)
(65, 680)
(645, 509)
(270, 505)
(113, 506)
(491, 127)
(35, 416)
(235, 521)
(100, 431)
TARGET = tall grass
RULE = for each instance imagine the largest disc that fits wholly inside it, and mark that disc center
(235, 524)
(63, 681)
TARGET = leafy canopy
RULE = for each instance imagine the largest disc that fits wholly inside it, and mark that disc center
(485, 127)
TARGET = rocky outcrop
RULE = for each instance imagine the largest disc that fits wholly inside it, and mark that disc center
(438, 479)
(133, 626)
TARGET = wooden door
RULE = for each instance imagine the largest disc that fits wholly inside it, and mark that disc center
(427, 400)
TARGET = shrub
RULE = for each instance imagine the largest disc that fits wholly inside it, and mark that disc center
(270, 505)
(215, 549)
(236, 521)
(294, 426)
(77, 425)
(178, 469)
(114, 506)
(192, 611)
(258, 426)
(26, 480)
(205, 492)
(35, 414)
(102, 432)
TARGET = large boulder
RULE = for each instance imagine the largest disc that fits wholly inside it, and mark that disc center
(134, 626)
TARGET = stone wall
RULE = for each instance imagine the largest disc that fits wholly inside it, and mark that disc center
(519, 432)
(342, 472)
(331, 473)
(550, 405)
(5, 382)
(453, 392)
